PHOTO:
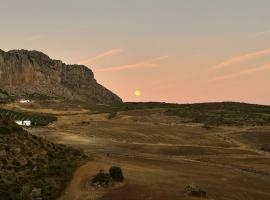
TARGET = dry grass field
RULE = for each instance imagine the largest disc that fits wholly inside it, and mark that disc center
(160, 155)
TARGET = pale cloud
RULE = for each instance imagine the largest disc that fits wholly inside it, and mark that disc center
(157, 59)
(130, 66)
(144, 64)
(100, 56)
(262, 33)
(242, 73)
(242, 58)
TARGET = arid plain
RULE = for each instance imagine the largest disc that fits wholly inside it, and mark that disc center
(159, 154)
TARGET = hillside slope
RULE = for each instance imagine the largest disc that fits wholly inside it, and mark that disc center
(30, 165)
(33, 74)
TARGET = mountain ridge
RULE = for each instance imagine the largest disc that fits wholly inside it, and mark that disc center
(25, 73)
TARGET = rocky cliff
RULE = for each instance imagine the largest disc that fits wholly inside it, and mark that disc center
(33, 74)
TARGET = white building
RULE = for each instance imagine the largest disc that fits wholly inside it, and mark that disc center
(25, 101)
(23, 122)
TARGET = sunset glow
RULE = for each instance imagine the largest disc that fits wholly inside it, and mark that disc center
(137, 93)
(174, 50)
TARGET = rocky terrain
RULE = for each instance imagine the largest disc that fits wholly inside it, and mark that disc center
(31, 167)
(33, 74)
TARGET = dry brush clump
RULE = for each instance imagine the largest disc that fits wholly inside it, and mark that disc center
(194, 191)
(103, 179)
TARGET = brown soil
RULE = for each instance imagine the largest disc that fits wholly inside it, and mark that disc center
(161, 156)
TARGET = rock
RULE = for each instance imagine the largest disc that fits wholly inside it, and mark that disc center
(35, 75)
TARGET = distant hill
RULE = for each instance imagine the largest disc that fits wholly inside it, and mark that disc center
(33, 166)
(32, 74)
(209, 114)
(223, 114)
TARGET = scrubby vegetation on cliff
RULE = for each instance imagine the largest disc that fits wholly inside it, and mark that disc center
(30, 165)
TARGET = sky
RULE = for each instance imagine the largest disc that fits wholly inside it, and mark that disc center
(171, 51)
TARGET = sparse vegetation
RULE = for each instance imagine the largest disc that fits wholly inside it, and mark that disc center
(103, 179)
(4, 97)
(36, 119)
(194, 191)
(209, 114)
(227, 114)
(7, 126)
(114, 108)
(28, 162)
(112, 115)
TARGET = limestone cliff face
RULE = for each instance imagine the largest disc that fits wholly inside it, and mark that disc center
(31, 73)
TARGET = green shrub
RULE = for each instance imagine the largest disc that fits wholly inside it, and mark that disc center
(116, 174)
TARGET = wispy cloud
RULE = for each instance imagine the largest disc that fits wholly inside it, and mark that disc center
(157, 59)
(261, 33)
(242, 73)
(242, 58)
(101, 55)
(130, 66)
(144, 64)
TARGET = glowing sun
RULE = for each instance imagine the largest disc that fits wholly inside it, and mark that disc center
(138, 93)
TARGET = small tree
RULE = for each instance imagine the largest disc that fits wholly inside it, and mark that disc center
(116, 174)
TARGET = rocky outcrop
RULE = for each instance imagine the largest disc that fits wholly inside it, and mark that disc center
(33, 74)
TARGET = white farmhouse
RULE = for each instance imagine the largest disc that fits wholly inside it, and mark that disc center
(23, 122)
(25, 101)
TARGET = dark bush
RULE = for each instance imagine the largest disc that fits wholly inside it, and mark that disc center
(102, 179)
(116, 174)
(4, 131)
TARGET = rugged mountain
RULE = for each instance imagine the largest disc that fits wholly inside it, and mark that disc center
(33, 74)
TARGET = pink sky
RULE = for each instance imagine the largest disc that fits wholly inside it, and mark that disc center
(174, 51)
